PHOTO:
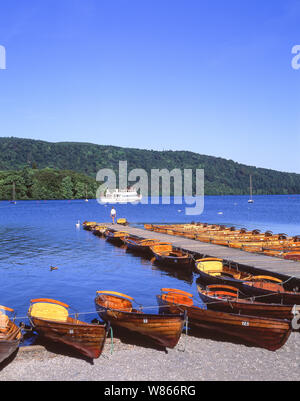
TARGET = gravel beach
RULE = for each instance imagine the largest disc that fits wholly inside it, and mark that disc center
(193, 359)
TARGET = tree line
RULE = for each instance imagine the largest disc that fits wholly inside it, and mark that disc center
(64, 169)
(47, 183)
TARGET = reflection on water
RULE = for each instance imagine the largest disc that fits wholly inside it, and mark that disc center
(36, 235)
(181, 273)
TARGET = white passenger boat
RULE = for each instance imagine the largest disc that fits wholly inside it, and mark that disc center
(120, 196)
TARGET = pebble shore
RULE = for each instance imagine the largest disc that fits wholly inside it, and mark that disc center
(193, 359)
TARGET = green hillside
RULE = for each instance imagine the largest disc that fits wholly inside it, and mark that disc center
(24, 161)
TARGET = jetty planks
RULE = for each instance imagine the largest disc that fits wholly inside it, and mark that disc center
(257, 261)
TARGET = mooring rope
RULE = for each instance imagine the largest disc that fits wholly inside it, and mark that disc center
(111, 340)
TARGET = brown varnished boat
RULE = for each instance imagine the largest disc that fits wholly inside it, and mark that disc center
(261, 332)
(116, 308)
(224, 237)
(51, 319)
(10, 333)
(148, 227)
(116, 237)
(166, 254)
(99, 230)
(271, 252)
(224, 298)
(283, 254)
(266, 288)
(277, 242)
(89, 225)
(140, 245)
(292, 255)
(251, 241)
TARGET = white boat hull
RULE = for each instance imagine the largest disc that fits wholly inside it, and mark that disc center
(113, 200)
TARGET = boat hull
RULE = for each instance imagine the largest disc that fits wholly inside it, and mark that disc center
(88, 339)
(115, 237)
(10, 345)
(172, 260)
(7, 348)
(10, 339)
(165, 331)
(251, 308)
(114, 201)
(270, 334)
(139, 246)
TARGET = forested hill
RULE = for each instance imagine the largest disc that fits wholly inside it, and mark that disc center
(221, 176)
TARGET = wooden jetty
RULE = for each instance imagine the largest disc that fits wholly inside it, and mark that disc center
(258, 262)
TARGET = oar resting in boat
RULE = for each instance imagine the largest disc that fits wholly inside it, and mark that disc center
(262, 332)
(116, 308)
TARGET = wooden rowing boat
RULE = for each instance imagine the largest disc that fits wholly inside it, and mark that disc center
(166, 254)
(251, 241)
(224, 298)
(276, 242)
(140, 245)
(122, 221)
(261, 332)
(291, 255)
(229, 237)
(10, 333)
(51, 319)
(89, 225)
(116, 237)
(148, 227)
(99, 230)
(116, 308)
(269, 288)
(283, 254)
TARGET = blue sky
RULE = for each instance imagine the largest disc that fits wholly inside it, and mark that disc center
(212, 76)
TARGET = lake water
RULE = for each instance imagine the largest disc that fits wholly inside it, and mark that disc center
(38, 234)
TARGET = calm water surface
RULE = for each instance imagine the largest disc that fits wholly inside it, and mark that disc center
(38, 234)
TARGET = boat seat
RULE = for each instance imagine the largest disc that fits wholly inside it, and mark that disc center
(44, 310)
(214, 272)
(3, 321)
(214, 268)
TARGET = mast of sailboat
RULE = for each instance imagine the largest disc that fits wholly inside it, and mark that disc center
(86, 196)
(250, 200)
(13, 192)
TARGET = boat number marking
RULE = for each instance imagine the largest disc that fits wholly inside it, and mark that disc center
(245, 323)
(145, 320)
